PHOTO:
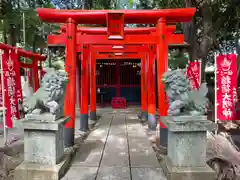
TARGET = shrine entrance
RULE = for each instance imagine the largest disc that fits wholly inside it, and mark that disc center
(155, 41)
(119, 78)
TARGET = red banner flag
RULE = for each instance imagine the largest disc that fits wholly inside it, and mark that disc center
(12, 86)
(18, 86)
(1, 91)
(226, 83)
(8, 88)
(193, 73)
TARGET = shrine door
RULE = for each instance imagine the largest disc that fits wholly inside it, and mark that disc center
(119, 78)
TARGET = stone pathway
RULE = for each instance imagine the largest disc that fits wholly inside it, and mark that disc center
(118, 149)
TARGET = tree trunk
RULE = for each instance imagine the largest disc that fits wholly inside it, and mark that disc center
(34, 43)
(12, 35)
(190, 33)
(5, 35)
(199, 50)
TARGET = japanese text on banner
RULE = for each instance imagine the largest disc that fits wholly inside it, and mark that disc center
(193, 73)
(226, 86)
(10, 74)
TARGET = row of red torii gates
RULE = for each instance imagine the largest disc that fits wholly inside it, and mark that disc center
(115, 42)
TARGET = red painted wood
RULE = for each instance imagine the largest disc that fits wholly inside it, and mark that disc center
(25, 65)
(84, 80)
(119, 86)
(36, 82)
(97, 30)
(70, 67)
(151, 84)
(124, 57)
(143, 84)
(79, 81)
(60, 40)
(23, 53)
(115, 25)
(121, 48)
(162, 67)
(93, 90)
(130, 16)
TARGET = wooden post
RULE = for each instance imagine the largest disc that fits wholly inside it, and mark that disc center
(162, 66)
(93, 90)
(84, 88)
(152, 123)
(144, 88)
(36, 83)
(70, 98)
(79, 80)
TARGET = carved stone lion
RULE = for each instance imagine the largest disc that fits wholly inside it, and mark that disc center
(182, 99)
(49, 98)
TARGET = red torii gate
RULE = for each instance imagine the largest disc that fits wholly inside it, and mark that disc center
(127, 52)
(115, 31)
(56, 40)
(15, 53)
(147, 110)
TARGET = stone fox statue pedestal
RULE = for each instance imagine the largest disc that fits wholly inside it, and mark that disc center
(187, 141)
(44, 156)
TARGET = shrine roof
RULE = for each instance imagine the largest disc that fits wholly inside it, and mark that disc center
(130, 16)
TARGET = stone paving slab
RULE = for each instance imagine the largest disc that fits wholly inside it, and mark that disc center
(116, 146)
(106, 152)
(142, 156)
(90, 152)
(81, 173)
(116, 152)
(114, 173)
(147, 174)
(118, 126)
(140, 150)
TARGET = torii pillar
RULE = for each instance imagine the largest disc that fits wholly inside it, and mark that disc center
(162, 67)
(144, 113)
(93, 89)
(35, 74)
(84, 88)
(70, 97)
(151, 94)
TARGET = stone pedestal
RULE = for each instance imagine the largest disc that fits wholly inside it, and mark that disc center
(186, 159)
(44, 156)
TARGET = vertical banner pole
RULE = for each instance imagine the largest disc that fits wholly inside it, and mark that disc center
(3, 99)
(200, 72)
(215, 92)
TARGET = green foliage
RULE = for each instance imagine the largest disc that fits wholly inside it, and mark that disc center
(11, 24)
(131, 2)
(177, 59)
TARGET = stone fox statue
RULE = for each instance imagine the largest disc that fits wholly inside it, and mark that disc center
(49, 98)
